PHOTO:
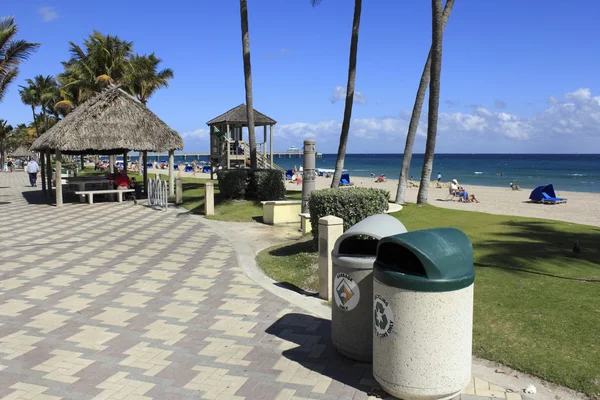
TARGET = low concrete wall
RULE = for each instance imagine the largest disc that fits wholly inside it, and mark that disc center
(281, 212)
(305, 225)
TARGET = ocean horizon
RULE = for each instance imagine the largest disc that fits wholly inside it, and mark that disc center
(571, 172)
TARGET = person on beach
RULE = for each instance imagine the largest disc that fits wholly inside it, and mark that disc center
(10, 165)
(454, 186)
(194, 164)
(439, 178)
(514, 186)
(122, 182)
(32, 169)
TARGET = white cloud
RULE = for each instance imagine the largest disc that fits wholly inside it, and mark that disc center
(339, 94)
(553, 100)
(201, 133)
(48, 13)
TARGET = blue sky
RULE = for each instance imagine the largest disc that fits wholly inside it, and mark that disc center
(516, 77)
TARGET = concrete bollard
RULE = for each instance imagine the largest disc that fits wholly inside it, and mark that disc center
(209, 198)
(178, 191)
(330, 229)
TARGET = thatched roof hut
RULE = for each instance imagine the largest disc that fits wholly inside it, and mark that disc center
(112, 122)
(21, 152)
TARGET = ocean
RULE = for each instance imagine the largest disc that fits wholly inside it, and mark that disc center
(572, 172)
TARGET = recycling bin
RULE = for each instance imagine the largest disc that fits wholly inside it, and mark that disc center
(423, 314)
(352, 267)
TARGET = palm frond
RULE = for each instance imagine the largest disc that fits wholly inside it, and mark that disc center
(5, 80)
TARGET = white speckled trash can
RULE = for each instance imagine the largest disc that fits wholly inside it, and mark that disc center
(352, 285)
(423, 314)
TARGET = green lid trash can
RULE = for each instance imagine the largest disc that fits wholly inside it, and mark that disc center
(352, 271)
(423, 313)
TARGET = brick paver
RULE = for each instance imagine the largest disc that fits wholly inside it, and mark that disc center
(118, 301)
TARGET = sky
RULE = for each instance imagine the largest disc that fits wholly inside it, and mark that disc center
(517, 76)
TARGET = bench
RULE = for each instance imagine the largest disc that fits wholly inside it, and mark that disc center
(90, 193)
(281, 211)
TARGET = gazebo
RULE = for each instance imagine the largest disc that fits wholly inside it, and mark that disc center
(110, 123)
(229, 149)
(21, 152)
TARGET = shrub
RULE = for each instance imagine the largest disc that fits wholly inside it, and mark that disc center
(351, 204)
(262, 184)
(266, 184)
(233, 183)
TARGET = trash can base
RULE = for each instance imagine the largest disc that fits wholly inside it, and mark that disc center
(353, 355)
(411, 393)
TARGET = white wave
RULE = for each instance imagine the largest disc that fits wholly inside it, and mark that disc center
(576, 174)
(478, 173)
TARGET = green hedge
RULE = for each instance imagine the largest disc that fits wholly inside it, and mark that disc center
(233, 183)
(262, 184)
(351, 204)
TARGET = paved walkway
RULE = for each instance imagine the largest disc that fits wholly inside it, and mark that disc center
(117, 301)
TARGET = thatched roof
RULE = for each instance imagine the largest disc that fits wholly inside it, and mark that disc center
(239, 115)
(111, 122)
(21, 152)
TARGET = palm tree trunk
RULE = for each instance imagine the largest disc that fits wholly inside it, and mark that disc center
(416, 116)
(434, 98)
(341, 155)
(248, 82)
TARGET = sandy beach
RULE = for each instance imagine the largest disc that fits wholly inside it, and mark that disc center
(581, 208)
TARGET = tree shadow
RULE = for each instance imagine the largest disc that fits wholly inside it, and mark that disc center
(316, 352)
(542, 248)
(36, 197)
(303, 246)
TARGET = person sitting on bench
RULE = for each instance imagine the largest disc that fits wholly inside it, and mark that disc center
(122, 182)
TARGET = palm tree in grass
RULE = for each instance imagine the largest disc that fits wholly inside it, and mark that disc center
(434, 98)
(416, 115)
(144, 77)
(341, 155)
(248, 82)
(12, 53)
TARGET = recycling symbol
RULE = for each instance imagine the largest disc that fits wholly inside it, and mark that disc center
(383, 317)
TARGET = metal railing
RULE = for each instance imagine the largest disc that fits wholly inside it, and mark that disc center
(158, 193)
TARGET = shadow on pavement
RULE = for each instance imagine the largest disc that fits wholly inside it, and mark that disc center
(36, 197)
(316, 352)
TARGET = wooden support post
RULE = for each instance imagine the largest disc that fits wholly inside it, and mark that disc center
(111, 164)
(59, 194)
(330, 229)
(42, 160)
(125, 162)
(265, 142)
(145, 164)
(82, 162)
(171, 173)
(227, 149)
(49, 174)
(271, 144)
(209, 198)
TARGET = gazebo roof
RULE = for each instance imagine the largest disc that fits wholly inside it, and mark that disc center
(239, 115)
(21, 152)
(111, 122)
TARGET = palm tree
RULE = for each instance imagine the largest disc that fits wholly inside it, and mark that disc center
(437, 32)
(44, 90)
(416, 115)
(248, 82)
(144, 78)
(5, 132)
(341, 155)
(12, 53)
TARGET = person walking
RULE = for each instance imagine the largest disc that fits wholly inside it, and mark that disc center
(194, 165)
(32, 169)
(439, 177)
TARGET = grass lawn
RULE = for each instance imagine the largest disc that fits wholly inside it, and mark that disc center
(537, 304)
(193, 199)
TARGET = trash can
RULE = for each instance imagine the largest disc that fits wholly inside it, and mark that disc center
(352, 268)
(423, 313)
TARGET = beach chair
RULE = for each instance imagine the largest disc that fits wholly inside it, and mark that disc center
(451, 195)
(552, 200)
(345, 180)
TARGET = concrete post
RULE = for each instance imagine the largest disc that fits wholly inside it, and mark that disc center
(308, 175)
(59, 194)
(171, 173)
(330, 229)
(209, 198)
(178, 191)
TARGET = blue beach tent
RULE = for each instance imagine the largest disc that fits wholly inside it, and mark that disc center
(345, 180)
(289, 174)
(545, 194)
(206, 169)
